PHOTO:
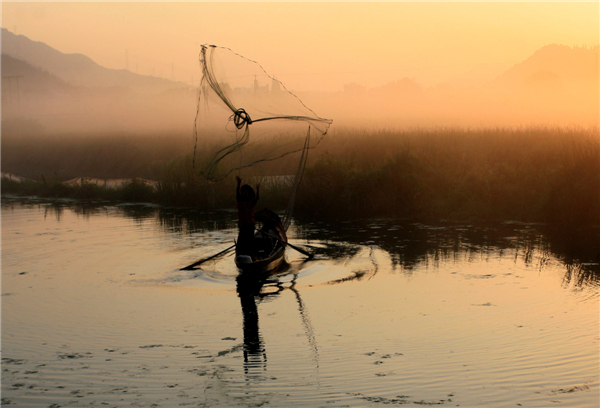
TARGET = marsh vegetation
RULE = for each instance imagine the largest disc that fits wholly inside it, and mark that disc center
(536, 174)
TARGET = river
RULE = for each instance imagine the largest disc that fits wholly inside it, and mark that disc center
(96, 312)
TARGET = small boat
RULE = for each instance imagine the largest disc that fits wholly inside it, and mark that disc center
(268, 249)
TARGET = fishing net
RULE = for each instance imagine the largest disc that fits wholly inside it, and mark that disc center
(247, 119)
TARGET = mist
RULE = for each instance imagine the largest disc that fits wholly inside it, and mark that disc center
(46, 91)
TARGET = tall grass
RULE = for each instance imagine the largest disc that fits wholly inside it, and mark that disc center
(541, 174)
(532, 174)
(90, 155)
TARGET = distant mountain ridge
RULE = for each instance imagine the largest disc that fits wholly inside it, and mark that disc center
(549, 63)
(555, 62)
(38, 80)
(44, 89)
(77, 69)
(71, 92)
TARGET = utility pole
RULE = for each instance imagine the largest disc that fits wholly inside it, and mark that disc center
(10, 89)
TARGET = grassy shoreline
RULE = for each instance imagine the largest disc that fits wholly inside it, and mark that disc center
(529, 174)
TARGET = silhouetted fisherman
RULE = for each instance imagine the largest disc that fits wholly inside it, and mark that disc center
(246, 200)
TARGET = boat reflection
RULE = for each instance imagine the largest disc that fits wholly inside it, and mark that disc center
(252, 290)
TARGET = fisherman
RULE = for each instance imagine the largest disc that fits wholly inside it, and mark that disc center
(246, 200)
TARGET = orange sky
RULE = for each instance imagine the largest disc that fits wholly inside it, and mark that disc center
(310, 45)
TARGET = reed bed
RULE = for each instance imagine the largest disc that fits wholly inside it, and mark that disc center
(535, 174)
(530, 174)
(106, 156)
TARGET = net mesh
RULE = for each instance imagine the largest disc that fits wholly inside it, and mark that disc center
(235, 95)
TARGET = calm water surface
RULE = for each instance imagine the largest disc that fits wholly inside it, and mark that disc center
(95, 312)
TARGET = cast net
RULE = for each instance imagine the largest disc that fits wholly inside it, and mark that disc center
(247, 119)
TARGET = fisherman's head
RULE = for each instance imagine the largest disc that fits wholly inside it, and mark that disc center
(247, 192)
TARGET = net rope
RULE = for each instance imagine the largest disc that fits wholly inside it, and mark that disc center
(246, 110)
(287, 219)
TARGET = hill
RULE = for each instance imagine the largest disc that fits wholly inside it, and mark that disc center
(32, 80)
(555, 63)
(43, 88)
(556, 85)
(78, 69)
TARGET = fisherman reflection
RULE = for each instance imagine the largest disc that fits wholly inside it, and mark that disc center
(248, 289)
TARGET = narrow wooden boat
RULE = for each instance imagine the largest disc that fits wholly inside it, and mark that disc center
(268, 250)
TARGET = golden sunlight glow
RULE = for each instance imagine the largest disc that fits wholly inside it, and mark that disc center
(319, 46)
(439, 63)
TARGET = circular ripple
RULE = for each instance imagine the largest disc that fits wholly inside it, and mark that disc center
(332, 264)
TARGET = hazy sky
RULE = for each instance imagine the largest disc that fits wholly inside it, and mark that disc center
(309, 45)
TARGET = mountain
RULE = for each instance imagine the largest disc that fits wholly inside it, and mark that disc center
(554, 64)
(71, 93)
(64, 93)
(32, 80)
(77, 69)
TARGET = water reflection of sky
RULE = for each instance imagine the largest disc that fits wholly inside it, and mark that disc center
(407, 242)
(95, 310)
(406, 245)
